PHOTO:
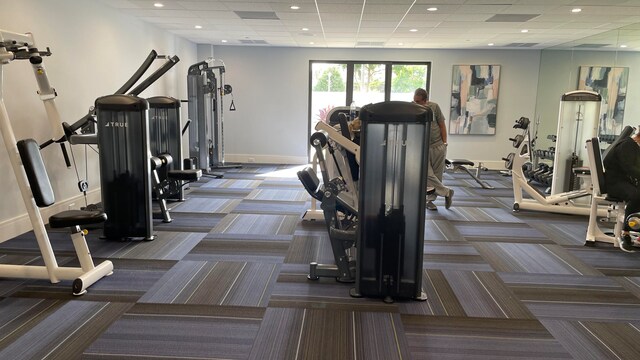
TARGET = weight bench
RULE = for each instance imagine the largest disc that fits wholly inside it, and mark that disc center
(87, 273)
(461, 164)
(173, 182)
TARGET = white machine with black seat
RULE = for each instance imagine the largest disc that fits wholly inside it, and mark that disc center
(615, 207)
(34, 184)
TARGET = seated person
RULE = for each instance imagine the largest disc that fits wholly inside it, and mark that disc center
(622, 177)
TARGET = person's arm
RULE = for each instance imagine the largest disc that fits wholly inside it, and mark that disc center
(439, 117)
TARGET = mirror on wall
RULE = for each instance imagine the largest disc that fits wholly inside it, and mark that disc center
(607, 63)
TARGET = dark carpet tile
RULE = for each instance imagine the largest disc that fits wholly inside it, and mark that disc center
(207, 205)
(453, 256)
(532, 258)
(65, 332)
(257, 224)
(215, 283)
(608, 260)
(501, 232)
(436, 337)
(329, 334)
(189, 222)
(166, 246)
(440, 230)
(563, 233)
(596, 340)
(178, 332)
(270, 251)
(270, 207)
(230, 184)
(278, 194)
(19, 315)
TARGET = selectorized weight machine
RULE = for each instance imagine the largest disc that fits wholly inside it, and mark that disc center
(33, 181)
(578, 121)
(206, 90)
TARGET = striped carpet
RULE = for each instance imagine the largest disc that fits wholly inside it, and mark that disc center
(227, 279)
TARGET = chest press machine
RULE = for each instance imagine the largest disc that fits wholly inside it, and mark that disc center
(33, 181)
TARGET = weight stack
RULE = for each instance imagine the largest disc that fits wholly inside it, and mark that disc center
(165, 135)
(125, 170)
(393, 165)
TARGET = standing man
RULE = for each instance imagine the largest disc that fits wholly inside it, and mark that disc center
(437, 151)
(622, 176)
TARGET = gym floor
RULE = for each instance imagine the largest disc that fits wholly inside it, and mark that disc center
(227, 280)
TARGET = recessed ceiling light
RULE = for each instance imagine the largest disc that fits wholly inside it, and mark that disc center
(623, 46)
(413, 30)
(400, 44)
(490, 44)
(158, 5)
(224, 41)
(198, 26)
(432, 9)
(305, 29)
(311, 43)
(576, 10)
(524, 31)
(294, 7)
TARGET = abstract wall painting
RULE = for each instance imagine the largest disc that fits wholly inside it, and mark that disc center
(474, 99)
(611, 83)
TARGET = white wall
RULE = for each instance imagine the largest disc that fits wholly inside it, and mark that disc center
(270, 87)
(95, 50)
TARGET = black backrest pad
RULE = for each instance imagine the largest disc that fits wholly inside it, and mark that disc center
(626, 132)
(310, 181)
(597, 166)
(36, 172)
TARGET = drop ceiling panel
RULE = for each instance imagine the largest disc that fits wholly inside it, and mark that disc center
(202, 5)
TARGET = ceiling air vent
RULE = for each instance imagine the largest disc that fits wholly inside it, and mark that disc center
(370, 44)
(591, 46)
(521, 44)
(257, 15)
(258, 42)
(511, 17)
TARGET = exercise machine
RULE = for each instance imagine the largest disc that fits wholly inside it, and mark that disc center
(340, 215)
(455, 165)
(125, 165)
(615, 207)
(33, 181)
(578, 119)
(206, 90)
(393, 171)
(346, 163)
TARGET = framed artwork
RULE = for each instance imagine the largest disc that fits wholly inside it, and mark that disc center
(474, 99)
(611, 83)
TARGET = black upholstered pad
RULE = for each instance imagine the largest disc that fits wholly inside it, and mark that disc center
(459, 162)
(76, 217)
(36, 172)
(310, 181)
(186, 175)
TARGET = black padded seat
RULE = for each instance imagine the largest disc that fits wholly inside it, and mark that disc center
(459, 162)
(186, 175)
(71, 218)
(311, 183)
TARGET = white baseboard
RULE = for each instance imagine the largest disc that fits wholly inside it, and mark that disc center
(20, 224)
(265, 159)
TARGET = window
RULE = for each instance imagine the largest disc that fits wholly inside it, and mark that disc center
(338, 83)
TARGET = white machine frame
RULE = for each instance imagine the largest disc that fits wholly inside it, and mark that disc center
(23, 45)
(563, 203)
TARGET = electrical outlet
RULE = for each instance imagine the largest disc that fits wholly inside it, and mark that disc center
(251, 160)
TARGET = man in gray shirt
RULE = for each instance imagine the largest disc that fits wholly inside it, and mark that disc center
(437, 151)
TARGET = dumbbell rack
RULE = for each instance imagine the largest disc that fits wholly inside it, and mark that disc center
(528, 197)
